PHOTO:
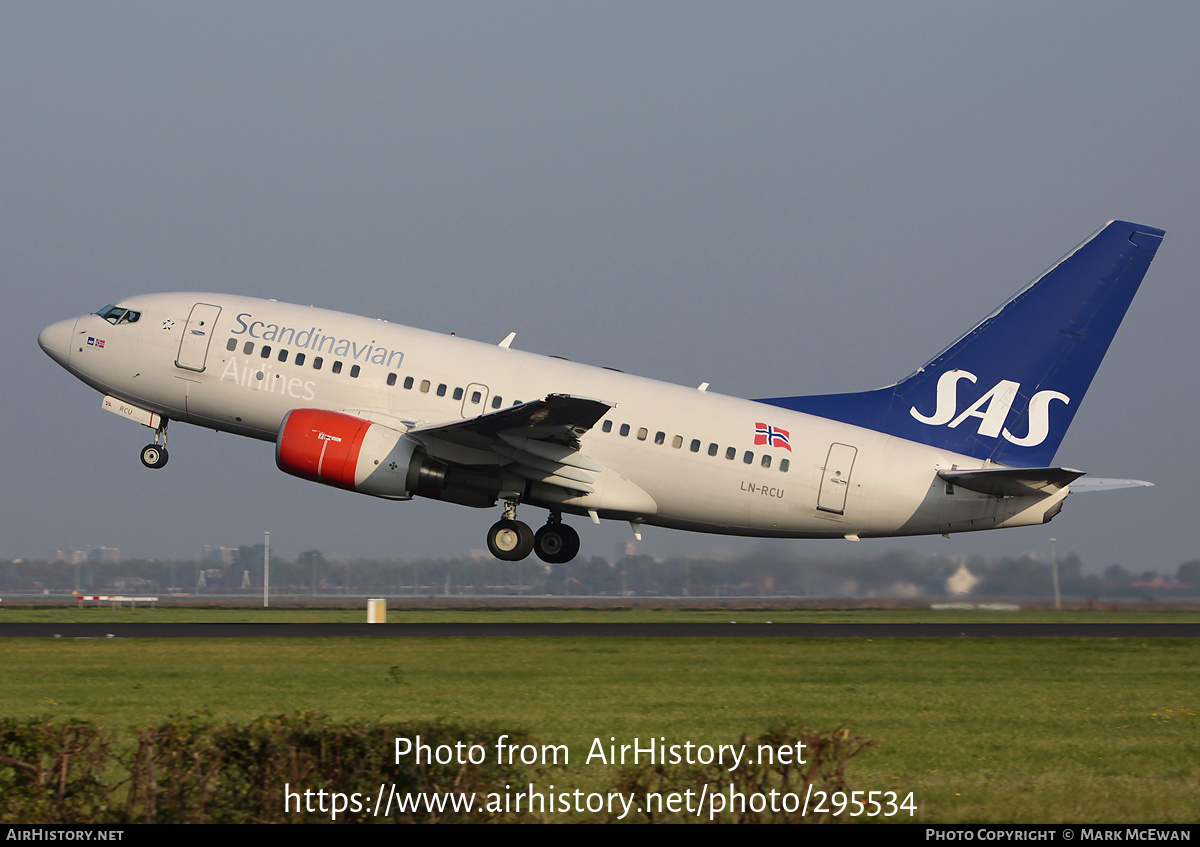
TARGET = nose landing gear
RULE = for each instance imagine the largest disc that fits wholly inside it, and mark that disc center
(155, 455)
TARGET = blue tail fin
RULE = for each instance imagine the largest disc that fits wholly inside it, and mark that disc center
(1008, 389)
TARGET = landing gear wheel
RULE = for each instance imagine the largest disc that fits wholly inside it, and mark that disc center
(154, 456)
(510, 541)
(556, 543)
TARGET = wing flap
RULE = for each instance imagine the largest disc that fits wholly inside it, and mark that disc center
(557, 453)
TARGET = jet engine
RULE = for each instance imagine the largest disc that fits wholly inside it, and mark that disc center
(356, 454)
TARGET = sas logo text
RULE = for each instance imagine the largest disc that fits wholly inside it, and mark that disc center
(992, 409)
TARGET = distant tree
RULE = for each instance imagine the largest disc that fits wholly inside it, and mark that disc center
(1016, 577)
(1116, 575)
(1189, 575)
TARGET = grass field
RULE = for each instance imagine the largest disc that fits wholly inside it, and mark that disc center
(1036, 730)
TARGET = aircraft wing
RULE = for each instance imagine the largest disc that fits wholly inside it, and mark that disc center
(538, 440)
(557, 419)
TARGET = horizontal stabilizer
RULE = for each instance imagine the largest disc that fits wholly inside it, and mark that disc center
(1093, 483)
(1012, 482)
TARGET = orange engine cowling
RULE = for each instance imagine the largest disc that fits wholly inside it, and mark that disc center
(356, 454)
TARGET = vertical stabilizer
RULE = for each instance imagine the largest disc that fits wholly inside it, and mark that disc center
(1008, 389)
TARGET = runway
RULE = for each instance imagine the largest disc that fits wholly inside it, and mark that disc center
(599, 630)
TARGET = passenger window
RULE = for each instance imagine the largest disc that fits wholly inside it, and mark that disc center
(476, 396)
(266, 351)
(642, 433)
(730, 452)
(677, 442)
(282, 355)
(355, 371)
(424, 386)
(458, 393)
(248, 348)
(231, 345)
(317, 362)
(408, 382)
(624, 429)
(660, 437)
(712, 449)
(441, 392)
(299, 360)
(766, 460)
(391, 379)
(695, 445)
(497, 402)
(606, 426)
(783, 465)
(749, 457)
(337, 367)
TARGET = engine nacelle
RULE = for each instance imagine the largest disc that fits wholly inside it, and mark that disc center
(356, 454)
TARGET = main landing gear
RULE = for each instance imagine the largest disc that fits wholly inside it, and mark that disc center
(511, 540)
(155, 455)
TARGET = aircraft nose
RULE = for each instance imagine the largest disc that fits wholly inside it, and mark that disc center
(56, 340)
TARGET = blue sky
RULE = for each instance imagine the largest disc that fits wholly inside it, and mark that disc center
(775, 198)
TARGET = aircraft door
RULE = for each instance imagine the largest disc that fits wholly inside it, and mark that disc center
(474, 401)
(835, 480)
(193, 347)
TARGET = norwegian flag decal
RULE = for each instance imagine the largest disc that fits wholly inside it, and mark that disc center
(771, 436)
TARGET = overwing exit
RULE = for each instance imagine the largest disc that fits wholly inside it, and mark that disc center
(967, 442)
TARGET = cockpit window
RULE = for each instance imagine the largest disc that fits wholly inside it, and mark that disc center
(118, 315)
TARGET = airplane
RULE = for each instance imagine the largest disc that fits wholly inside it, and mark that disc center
(965, 443)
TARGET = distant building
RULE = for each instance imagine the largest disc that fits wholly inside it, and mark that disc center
(224, 555)
(73, 556)
(961, 581)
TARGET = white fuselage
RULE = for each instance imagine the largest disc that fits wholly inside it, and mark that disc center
(670, 456)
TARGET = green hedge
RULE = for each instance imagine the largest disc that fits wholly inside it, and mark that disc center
(191, 770)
